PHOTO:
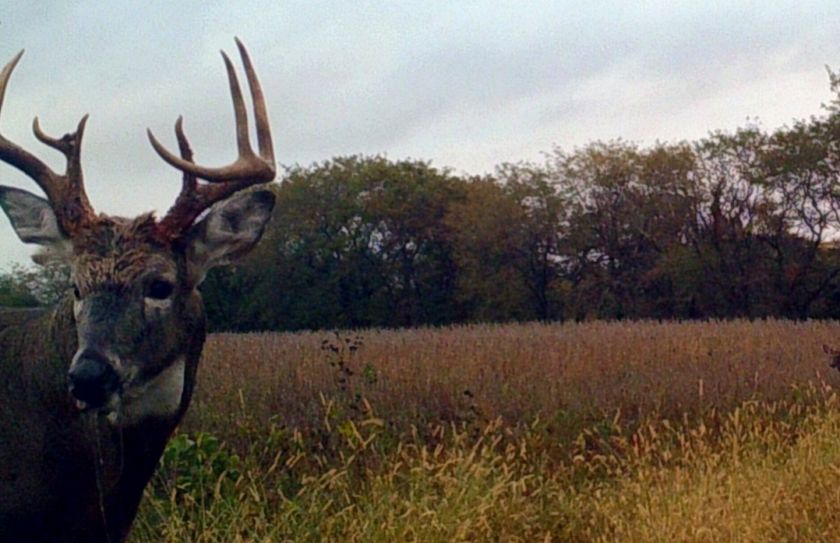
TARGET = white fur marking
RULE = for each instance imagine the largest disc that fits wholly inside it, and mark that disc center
(160, 397)
(157, 306)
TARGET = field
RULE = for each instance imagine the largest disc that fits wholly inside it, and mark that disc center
(721, 431)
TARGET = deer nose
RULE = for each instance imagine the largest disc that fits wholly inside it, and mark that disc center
(92, 379)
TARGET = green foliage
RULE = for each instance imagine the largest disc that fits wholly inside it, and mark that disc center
(13, 294)
(198, 467)
(355, 242)
(34, 286)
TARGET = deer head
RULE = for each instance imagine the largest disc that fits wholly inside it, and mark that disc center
(135, 306)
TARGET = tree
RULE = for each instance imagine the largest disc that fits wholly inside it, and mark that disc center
(33, 286)
(730, 213)
(629, 209)
(540, 234)
(12, 294)
(488, 227)
(357, 241)
(800, 169)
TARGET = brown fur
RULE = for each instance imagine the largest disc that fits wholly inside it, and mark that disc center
(116, 251)
(51, 501)
(57, 500)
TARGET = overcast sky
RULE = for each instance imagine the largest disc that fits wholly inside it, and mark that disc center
(467, 85)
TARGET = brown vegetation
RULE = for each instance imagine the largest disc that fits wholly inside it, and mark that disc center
(720, 431)
(516, 372)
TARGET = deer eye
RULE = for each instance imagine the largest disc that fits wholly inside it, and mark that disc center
(76, 293)
(159, 289)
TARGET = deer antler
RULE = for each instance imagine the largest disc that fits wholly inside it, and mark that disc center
(66, 192)
(247, 170)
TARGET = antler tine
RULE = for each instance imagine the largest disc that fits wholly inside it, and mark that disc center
(260, 112)
(6, 74)
(65, 192)
(69, 144)
(248, 169)
(248, 166)
(66, 143)
(240, 113)
(11, 153)
(189, 180)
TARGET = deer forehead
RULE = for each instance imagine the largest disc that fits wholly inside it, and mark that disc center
(121, 270)
(120, 252)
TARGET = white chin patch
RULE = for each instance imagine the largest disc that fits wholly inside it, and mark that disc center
(160, 397)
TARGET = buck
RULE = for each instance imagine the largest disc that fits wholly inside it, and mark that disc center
(91, 390)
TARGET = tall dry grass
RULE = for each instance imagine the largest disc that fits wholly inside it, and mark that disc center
(513, 371)
(724, 431)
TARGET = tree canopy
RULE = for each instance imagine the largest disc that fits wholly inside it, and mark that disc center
(742, 224)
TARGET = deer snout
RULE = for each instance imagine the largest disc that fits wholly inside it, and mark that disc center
(92, 379)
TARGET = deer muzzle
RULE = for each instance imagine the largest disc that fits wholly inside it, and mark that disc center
(92, 379)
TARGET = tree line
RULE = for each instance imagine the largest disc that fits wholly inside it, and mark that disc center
(740, 224)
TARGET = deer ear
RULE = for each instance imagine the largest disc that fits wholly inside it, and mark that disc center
(228, 232)
(32, 218)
